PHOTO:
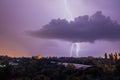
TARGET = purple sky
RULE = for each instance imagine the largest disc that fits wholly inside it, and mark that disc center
(19, 16)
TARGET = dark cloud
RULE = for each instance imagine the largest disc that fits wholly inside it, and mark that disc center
(82, 29)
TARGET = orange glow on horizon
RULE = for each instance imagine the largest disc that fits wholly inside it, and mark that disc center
(14, 53)
(39, 57)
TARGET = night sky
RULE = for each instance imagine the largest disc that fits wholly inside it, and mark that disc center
(49, 27)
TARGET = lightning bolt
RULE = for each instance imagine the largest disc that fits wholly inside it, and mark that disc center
(76, 45)
(68, 10)
(77, 49)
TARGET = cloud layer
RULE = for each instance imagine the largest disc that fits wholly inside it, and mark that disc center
(82, 29)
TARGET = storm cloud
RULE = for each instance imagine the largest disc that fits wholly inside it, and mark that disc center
(82, 29)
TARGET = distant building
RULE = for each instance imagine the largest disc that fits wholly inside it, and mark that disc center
(37, 57)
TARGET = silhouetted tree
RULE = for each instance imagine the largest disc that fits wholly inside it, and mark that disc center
(116, 56)
(106, 57)
(111, 56)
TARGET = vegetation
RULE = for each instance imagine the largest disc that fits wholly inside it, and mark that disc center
(48, 69)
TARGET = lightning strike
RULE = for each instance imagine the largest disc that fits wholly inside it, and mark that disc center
(77, 49)
(67, 9)
(75, 46)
